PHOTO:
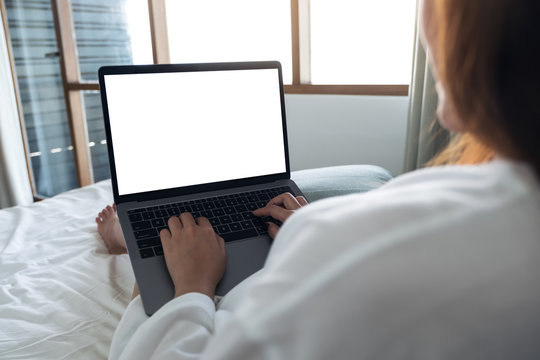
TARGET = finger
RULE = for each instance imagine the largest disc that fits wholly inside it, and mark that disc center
(221, 243)
(202, 221)
(174, 224)
(286, 200)
(272, 230)
(166, 242)
(165, 236)
(187, 219)
(301, 200)
(277, 212)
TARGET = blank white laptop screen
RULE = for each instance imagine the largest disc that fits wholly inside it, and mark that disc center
(188, 128)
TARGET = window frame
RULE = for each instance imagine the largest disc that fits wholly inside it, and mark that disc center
(301, 53)
(74, 86)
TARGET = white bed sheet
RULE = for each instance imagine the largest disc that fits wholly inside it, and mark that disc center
(61, 293)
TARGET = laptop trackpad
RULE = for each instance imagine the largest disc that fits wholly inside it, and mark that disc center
(244, 258)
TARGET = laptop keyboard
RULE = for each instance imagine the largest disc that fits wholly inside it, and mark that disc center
(230, 215)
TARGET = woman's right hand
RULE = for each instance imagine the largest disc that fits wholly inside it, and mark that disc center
(280, 208)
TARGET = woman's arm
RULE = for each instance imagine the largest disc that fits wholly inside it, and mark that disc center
(180, 329)
(195, 257)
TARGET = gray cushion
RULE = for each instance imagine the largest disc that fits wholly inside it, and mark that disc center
(339, 180)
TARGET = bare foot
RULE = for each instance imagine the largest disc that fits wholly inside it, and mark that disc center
(109, 229)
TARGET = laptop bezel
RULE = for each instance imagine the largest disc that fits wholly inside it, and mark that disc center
(186, 190)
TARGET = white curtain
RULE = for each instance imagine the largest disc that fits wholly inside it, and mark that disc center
(14, 181)
(425, 137)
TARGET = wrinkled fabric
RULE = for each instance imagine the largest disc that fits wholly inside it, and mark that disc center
(61, 293)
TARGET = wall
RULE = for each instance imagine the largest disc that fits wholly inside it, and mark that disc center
(326, 130)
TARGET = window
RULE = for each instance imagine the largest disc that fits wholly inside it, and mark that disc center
(105, 34)
(361, 41)
(232, 30)
(61, 106)
(41, 96)
(325, 46)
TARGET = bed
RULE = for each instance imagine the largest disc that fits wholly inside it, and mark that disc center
(62, 294)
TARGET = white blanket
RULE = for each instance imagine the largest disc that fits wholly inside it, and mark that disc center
(61, 293)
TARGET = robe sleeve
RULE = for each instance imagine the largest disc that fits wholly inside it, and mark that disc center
(180, 329)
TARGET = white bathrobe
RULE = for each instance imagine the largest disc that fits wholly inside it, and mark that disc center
(442, 263)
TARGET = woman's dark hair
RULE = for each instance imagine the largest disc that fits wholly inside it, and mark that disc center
(489, 63)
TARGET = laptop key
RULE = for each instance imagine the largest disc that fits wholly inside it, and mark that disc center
(185, 208)
(158, 250)
(237, 235)
(146, 253)
(247, 224)
(240, 208)
(160, 213)
(145, 234)
(237, 217)
(148, 215)
(262, 230)
(209, 205)
(252, 206)
(197, 207)
(141, 225)
(225, 219)
(248, 215)
(242, 200)
(135, 217)
(148, 242)
(207, 213)
(158, 222)
(223, 229)
(229, 210)
(235, 227)
(218, 212)
(220, 203)
(133, 211)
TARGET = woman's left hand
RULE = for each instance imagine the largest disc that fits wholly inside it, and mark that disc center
(194, 253)
(280, 208)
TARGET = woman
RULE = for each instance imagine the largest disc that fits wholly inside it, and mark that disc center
(440, 263)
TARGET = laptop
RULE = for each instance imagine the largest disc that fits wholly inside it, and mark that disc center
(209, 139)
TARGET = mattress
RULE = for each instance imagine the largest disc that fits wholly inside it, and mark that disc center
(61, 293)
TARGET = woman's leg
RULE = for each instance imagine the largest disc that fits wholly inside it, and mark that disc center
(111, 233)
(109, 229)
